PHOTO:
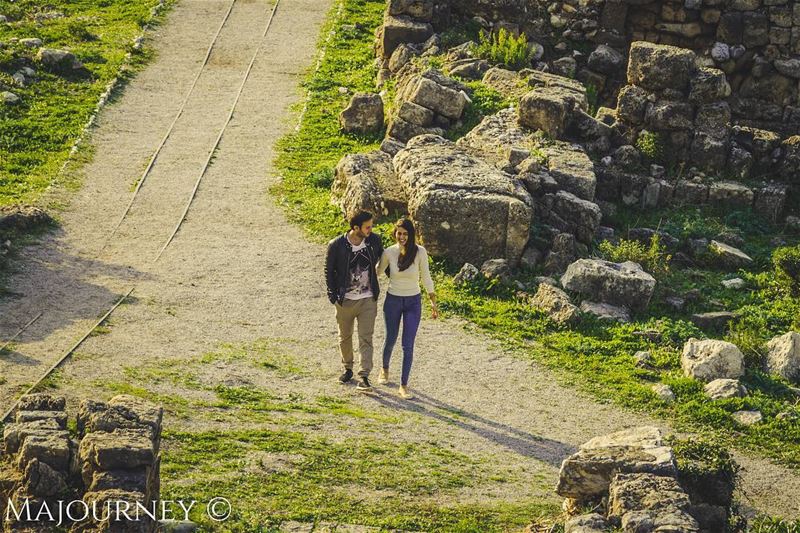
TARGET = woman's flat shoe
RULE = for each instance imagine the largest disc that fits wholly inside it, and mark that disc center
(405, 393)
(383, 378)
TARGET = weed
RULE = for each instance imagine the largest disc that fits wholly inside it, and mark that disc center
(653, 257)
(786, 262)
(504, 48)
(651, 146)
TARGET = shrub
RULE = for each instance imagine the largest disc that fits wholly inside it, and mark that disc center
(653, 258)
(706, 470)
(786, 261)
(502, 47)
(651, 146)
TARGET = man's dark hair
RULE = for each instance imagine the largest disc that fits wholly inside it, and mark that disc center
(360, 218)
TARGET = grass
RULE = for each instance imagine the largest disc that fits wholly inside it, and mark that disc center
(279, 454)
(595, 357)
(37, 134)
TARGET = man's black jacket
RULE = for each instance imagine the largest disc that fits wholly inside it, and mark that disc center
(337, 266)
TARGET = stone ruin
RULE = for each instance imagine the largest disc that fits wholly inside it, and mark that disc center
(711, 85)
(113, 457)
(630, 479)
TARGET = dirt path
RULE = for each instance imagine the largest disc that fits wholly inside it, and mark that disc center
(238, 271)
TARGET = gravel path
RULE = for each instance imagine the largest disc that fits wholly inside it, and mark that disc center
(238, 271)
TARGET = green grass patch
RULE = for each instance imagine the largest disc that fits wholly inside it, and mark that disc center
(36, 134)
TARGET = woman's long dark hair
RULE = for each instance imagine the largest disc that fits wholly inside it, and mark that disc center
(407, 259)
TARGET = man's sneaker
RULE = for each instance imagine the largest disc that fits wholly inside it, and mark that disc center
(346, 377)
(364, 385)
(405, 393)
(383, 378)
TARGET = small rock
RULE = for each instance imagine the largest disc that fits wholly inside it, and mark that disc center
(710, 359)
(605, 311)
(720, 52)
(735, 283)
(747, 418)
(496, 269)
(9, 98)
(555, 303)
(664, 392)
(467, 274)
(676, 303)
(722, 389)
(713, 321)
(31, 42)
(783, 356)
(643, 359)
(363, 115)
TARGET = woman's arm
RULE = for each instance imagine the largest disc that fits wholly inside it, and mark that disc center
(427, 281)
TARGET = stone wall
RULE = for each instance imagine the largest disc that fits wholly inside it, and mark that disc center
(755, 42)
(113, 458)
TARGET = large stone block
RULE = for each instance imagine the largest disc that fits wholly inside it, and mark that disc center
(367, 181)
(710, 359)
(401, 29)
(657, 67)
(588, 473)
(465, 209)
(438, 98)
(624, 284)
(570, 214)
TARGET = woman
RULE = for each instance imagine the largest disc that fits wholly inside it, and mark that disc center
(408, 264)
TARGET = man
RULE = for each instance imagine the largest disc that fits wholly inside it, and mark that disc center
(353, 289)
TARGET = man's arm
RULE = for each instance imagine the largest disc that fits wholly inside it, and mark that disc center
(330, 272)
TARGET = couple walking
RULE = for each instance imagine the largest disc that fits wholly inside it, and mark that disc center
(352, 279)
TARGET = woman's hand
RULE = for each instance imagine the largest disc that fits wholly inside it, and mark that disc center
(434, 312)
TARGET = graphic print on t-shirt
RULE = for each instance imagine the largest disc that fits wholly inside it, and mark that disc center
(358, 286)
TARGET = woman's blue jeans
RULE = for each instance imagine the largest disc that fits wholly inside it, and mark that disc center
(409, 309)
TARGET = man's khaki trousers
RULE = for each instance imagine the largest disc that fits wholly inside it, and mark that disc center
(364, 311)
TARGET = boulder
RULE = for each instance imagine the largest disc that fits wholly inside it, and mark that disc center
(783, 356)
(747, 418)
(367, 181)
(496, 269)
(572, 169)
(656, 67)
(467, 274)
(9, 98)
(570, 214)
(708, 85)
(723, 389)
(606, 311)
(623, 284)
(401, 29)
(416, 114)
(42, 480)
(587, 523)
(465, 209)
(644, 502)
(713, 320)
(710, 359)
(562, 253)
(588, 473)
(664, 392)
(555, 303)
(496, 136)
(727, 256)
(438, 98)
(59, 61)
(548, 109)
(123, 449)
(606, 60)
(41, 401)
(50, 447)
(363, 115)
